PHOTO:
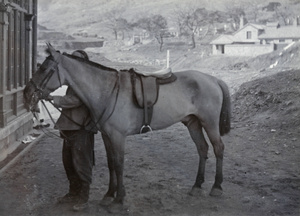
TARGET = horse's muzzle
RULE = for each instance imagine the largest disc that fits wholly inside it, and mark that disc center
(31, 97)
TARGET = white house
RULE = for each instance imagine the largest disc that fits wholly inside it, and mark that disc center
(254, 39)
(280, 36)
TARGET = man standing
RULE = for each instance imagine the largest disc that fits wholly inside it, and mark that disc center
(78, 145)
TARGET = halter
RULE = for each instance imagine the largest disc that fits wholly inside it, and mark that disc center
(39, 92)
(39, 89)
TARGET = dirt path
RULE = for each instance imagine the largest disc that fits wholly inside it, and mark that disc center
(261, 174)
(159, 173)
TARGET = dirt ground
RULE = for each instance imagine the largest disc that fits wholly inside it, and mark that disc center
(261, 164)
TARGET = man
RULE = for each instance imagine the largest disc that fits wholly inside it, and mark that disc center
(78, 145)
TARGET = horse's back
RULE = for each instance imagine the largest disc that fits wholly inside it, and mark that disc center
(193, 93)
(195, 75)
(203, 84)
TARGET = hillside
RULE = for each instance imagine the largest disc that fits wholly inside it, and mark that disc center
(274, 98)
(76, 16)
(80, 16)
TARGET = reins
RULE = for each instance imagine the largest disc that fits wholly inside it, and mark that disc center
(61, 114)
(40, 92)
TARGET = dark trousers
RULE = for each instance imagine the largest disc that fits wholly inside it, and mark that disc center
(78, 156)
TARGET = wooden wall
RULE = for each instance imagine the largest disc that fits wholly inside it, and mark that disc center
(18, 28)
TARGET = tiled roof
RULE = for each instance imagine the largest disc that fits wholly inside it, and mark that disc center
(286, 32)
(272, 24)
(223, 39)
(258, 26)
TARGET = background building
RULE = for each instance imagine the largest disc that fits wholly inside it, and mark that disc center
(253, 39)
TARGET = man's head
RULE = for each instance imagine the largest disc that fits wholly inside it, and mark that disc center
(81, 54)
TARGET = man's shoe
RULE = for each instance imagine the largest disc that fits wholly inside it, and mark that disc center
(81, 205)
(68, 198)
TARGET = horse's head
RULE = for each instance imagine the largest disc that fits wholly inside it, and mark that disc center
(45, 80)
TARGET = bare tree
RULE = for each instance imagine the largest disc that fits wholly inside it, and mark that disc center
(159, 28)
(116, 23)
(156, 25)
(253, 10)
(192, 20)
(287, 13)
(236, 11)
(123, 26)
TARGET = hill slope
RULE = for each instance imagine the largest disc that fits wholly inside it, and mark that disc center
(273, 101)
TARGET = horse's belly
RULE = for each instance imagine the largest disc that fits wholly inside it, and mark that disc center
(171, 107)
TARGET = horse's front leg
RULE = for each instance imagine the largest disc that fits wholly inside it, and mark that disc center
(110, 194)
(117, 143)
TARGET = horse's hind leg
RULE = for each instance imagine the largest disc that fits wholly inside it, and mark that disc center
(197, 135)
(215, 139)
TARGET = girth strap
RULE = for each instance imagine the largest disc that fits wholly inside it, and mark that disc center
(145, 94)
(148, 103)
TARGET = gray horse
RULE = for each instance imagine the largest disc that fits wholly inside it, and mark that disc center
(198, 100)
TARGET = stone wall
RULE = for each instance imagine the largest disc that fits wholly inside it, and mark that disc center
(11, 136)
(248, 49)
(74, 45)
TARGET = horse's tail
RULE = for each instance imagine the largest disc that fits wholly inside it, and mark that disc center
(225, 115)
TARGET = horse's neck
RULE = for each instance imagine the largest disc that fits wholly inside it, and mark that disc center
(91, 84)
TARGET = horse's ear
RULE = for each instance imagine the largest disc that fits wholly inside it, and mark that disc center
(50, 49)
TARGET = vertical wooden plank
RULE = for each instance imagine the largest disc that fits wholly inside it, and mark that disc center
(16, 50)
(9, 51)
(34, 35)
(27, 48)
(3, 64)
(22, 44)
(17, 60)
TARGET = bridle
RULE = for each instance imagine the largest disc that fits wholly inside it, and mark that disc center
(39, 92)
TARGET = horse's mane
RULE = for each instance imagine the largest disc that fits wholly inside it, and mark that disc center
(90, 62)
(85, 61)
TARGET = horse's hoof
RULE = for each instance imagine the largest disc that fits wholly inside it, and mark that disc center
(216, 191)
(106, 201)
(196, 191)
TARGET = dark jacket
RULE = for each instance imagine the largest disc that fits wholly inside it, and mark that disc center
(72, 108)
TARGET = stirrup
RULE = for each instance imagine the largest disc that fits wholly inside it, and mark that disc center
(145, 127)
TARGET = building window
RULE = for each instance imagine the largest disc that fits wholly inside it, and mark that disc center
(281, 40)
(249, 34)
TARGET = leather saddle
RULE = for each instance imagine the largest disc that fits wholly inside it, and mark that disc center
(146, 91)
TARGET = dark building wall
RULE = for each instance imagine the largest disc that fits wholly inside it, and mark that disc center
(18, 20)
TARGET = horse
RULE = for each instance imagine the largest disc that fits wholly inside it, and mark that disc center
(198, 100)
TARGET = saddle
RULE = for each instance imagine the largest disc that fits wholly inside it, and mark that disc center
(146, 91)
